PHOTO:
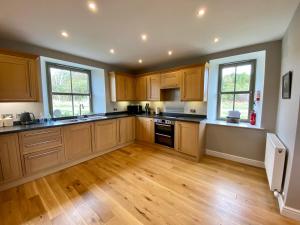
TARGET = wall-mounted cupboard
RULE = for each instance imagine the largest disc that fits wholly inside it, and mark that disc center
(18, 77)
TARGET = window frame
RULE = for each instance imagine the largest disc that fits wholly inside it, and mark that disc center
(251, 88)
(50, 65)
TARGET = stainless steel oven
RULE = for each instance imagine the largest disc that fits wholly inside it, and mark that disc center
(164, 132)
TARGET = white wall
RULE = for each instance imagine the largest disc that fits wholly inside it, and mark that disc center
(288, 123)
(213, 81)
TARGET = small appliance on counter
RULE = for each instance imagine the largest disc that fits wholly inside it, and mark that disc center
(7, 122)
(147, 108)
(157, 110)
(27, 118)
(134, 109)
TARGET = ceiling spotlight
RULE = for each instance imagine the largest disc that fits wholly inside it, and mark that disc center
(92, 6)
(170, 52)
(140, 61)
(216, 40)
(64, 34)
(112, 51)
(201, 12)
(144, 37)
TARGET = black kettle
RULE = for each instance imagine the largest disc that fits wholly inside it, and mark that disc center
(27, 118)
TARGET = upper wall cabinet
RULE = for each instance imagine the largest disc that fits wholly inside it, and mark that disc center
(141, 88)
(121, 87)
(153, 87)
(18, 78)
(170, 79)
(192, 85)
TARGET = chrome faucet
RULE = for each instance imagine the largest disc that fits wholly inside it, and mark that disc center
(81, 106)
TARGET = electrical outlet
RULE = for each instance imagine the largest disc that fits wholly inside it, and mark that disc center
(192, 110)
(115, 109)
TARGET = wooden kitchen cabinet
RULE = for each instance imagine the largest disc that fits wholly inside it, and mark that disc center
(192, 84)
(78, 140)
(141, 88)
(126, 130)
(145, 129)
(105, 135)
(18, 78)
(10, 163)
(122, 87)
(187, 138)
(170, 79)
(153, 87)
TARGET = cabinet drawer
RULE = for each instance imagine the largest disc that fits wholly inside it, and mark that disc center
(39, 161)
(33, 141)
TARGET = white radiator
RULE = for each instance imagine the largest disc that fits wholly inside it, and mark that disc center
(274, 161)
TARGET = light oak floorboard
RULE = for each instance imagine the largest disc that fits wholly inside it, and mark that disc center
(140, 185)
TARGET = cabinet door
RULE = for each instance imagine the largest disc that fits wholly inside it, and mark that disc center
(18, 79)
(193, 84)
(126, 130)
(121, 88)
(145, 129)
(187, 138)
(171, 79)
(153, 87)
(105, 135)
(129, 91)
(141, 88)
(78, 140)
(10, 163)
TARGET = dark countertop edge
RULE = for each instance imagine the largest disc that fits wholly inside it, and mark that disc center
(110, 116)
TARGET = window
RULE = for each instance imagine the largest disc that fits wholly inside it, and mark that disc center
(68, 87)
(236, 88)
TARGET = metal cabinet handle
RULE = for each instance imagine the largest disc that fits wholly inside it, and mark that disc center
(164, 135)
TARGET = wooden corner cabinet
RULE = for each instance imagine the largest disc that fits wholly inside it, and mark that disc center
(78, 140)
(153, 87)
(190, 138)
(10, 163)
(105, 135)
(192, 85)
(122, 87)
(145, 129)
(18, 78)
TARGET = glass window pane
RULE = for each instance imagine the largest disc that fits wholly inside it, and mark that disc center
(62, 105)
(243, 77)
(60, 80)
(80, 82)
(228, 77)
(85, 100)
(226, 104)
(242, 105)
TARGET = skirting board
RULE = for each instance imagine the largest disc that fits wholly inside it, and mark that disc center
(288, 211)
(239, 159)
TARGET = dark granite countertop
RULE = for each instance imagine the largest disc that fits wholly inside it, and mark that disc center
(59, 123)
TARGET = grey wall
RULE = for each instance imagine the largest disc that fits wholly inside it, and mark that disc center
(242, 142)
(272, 74)
(288, 120)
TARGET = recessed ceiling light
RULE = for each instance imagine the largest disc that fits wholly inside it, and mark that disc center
(170, 52)
(140, 61)
(112, 51)
(64, 34)
(201, 12)
(216, 40)
(144, 37)
(92, 6)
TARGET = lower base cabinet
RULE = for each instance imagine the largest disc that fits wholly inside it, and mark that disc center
(78, 140)
(38, 161)
(126, 130)
(145, 129)
(105, 135)
(10, 162)
(187, 138)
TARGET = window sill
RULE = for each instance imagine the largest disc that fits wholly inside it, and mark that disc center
(238, 125)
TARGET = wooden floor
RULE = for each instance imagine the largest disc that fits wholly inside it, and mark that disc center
(140, 185)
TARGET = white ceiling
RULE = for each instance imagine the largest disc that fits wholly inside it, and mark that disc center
(170, 24)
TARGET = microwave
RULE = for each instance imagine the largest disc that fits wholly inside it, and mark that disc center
(134, 109)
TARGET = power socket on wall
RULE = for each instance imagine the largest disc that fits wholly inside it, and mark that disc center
(192, 110)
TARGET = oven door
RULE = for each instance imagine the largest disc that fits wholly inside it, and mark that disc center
(167, 129)
(164, 139)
